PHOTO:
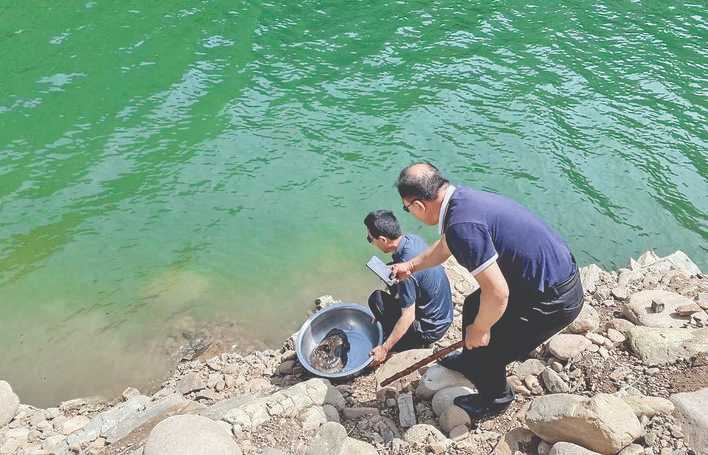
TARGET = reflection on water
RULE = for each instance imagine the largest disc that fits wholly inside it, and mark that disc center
(212, 162)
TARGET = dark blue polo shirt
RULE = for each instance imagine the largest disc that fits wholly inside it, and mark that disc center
(481, 227)
(429, 290)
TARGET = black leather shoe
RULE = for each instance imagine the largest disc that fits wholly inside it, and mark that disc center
(478, 407)
(452, 361)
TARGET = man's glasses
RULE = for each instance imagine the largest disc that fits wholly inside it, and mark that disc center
(369, 238)
(406, 208)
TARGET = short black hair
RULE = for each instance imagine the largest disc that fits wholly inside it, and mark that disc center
(383, 223)
(423, 184)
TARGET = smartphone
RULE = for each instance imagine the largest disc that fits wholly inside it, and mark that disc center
(381, 270)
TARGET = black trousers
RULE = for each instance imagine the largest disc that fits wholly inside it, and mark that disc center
(387, 310)
(529, 320)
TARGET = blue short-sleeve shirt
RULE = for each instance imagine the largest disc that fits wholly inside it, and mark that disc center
(428, 290)
(482, 227)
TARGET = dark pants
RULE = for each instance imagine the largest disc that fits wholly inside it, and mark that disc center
(529, 320)
(387, 310)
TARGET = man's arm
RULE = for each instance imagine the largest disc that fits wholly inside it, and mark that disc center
(400, 329)
(435, 255)
(493, 302)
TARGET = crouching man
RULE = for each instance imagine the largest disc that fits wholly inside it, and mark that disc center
(414, 312)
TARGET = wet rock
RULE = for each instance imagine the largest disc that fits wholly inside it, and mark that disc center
(9, 402)
(190, 435)
(567, 448)
(553, 382)
(639, 308)
(529, 367)
(693, 418)
(567, 346)
(444, 398)
(603, 423)
(660, 346)
(437, 378)
(587, 321)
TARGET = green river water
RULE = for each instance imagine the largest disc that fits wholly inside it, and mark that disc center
(175, 164)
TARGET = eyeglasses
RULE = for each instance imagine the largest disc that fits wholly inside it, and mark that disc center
(406, 208)
(369, 238)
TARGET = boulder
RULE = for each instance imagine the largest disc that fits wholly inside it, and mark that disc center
(587, 321)
(603, 423)
(693, 418)
(356, 447)
(444, 398)
(682, 262)
(190, 435)
(9, 402)
(529, 367)
(567, 448)
(657, 346)
(437, 378)
(567, 346)
(639, 308)
(330, 440)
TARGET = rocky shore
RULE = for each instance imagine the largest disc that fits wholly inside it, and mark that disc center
(629, 377)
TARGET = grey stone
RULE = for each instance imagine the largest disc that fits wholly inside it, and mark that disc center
(529, 367)
(515, 441)
(190, 435)
(643, 405)
(312, 418)
(9, 402)
(567, 346)
(682, 262)
(130, 421)
(331, 413)
(356, 447)
(444, 398)
(191, 382)
(423, 434)
(693, 418)
(553, 382)
(406, 410)
(568, 448)
(74, 424)
(357, 413)
(437, 378)
(603, 423)
(661, 346)
(590, 277)
(454, 416)
(106, 420)
(329, 440)
(587, 321)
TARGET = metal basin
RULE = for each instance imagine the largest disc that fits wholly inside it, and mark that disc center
(355, 321)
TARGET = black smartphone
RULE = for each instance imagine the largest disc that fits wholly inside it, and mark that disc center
(381, 270)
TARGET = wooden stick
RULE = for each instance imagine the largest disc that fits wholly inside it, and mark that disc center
(421, 363)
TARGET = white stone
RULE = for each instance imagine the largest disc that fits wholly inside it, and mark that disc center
(590, 277)
(615, 336)
(190, 435)
(657, 346)
(682, 262)
(692, 416)
(587, 321)
(437, 378)
(9, 402)
(567, 346)
(356, 447)
(312, 418)
(74, 424)
(603, 423)
(638, 309)
(423, 434)
(643, 405)
(330, 440)
(444, 398)
(567, 448)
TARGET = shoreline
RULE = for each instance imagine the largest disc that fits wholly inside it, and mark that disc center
(243, 395)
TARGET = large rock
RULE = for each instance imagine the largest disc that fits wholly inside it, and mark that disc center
(453, 417)
(553, 382)
(567, 346)
(603, 423)
(330, 440)
(639, 309)
(587, 321)
(682, 262)
(356, 447)
(567, 448)
(437, 378)
(529, 367)
(691, 409)
(444, 398)
(190, 435)
(656, 346)
(9, 402)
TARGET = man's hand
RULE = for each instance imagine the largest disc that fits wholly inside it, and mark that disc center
(402, 270)
(379, 354)
(476, 337)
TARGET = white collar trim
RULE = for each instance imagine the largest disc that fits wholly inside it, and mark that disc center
(443, 208)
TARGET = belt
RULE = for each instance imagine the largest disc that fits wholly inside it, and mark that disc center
(559, 289)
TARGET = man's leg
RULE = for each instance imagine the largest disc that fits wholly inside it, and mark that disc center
(387, 310)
